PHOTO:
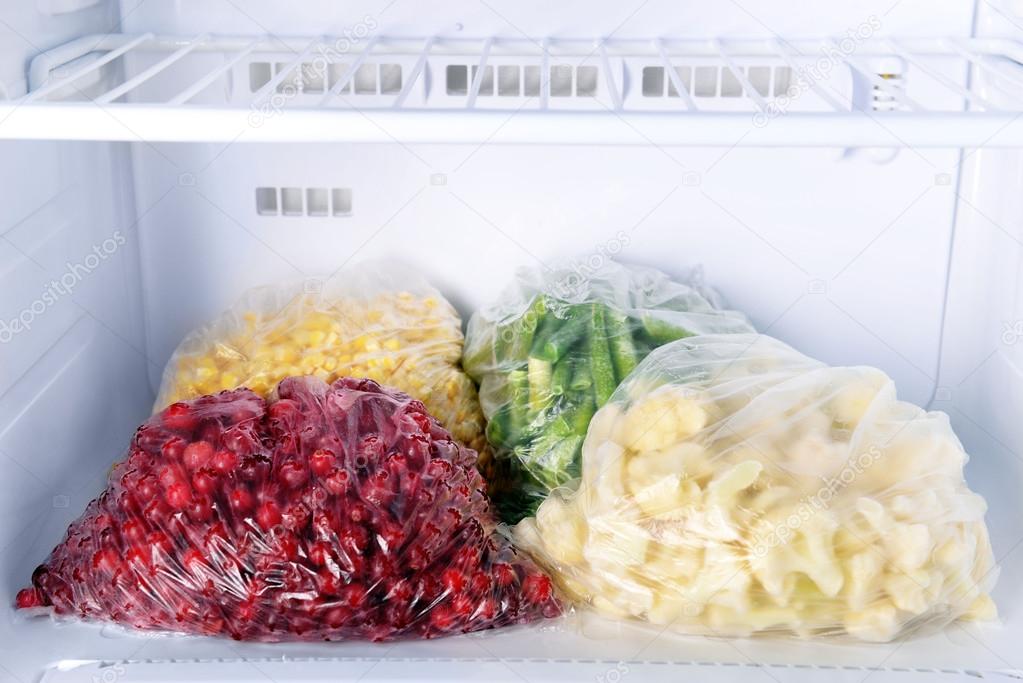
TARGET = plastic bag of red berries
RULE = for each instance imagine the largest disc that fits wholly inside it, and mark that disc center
(326, 513)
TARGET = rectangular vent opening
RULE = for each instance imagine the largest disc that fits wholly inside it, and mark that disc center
(314, 202)
(486, 83)
(508, 81)
(266, 201)
(291, 201)
(513, 80)
(715, 81)
(311, 78)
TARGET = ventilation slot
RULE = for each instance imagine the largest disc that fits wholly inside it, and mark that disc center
(314, 202)
(513, 80)
(318, 77)
(715, 81)
(883, 101)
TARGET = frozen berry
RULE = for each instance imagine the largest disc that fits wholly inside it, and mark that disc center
(197, 454)
(338, 512)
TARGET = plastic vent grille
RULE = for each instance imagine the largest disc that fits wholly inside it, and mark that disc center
(311, 202)
(715, 81)
(320, 77)
(522, 80)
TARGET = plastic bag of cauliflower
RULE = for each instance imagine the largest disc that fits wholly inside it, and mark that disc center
(377, 321)
(552, 350)
(733, 486)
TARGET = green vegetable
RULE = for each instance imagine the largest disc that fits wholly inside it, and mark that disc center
(515, 337)
(560, 340)
(561, 379)
(546, 371)
(540, 375)
(499, 429)
(623, 350)
(660, 332)
(518, 415)
(600, 358)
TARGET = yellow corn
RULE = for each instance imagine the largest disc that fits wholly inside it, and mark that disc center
(406, 341)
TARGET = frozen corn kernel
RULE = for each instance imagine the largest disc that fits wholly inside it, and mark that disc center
(409, 341)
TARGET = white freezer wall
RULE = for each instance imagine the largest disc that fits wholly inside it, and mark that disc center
(845, 257)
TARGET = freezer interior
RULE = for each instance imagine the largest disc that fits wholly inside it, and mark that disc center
(133, 214)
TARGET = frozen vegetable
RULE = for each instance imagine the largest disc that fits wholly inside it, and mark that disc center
(553, 349)
(333, 512)
(733, 486)
(376, 321)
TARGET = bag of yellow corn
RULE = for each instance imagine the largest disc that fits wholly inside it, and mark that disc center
(362, 323)
(734, 486)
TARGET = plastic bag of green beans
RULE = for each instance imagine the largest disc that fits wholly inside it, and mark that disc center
(553, 349)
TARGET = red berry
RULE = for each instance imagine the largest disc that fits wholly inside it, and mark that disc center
(319, 553)
(179, 416)
(337, 482)
(353, 595)
(480, 583)
(321, 462)
(453, 580)
(178, 496)
(173, 448)
(199, 509)
(193, 560)
(197, 454)
(204, 481)
(28, 597)
(268, 515)
(337, 616)
(224, 461)
(287, 547)
(537, 588)
(147, 488)
(168, 476)
(241, 500)
(463, 605)
(442, 617)
(293, 474)
(138, 557)
(105, 560)
(504, 575)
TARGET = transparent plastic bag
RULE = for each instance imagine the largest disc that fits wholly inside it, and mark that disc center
(377, 320)
(331, 512)
(551, 351)
(733, 486)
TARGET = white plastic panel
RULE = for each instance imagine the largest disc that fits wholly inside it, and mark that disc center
(862, 282)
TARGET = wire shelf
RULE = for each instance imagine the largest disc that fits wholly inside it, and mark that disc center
(892, 92)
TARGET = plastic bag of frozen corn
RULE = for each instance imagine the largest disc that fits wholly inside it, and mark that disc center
(733, 486)
(552, 350)
(375, 321)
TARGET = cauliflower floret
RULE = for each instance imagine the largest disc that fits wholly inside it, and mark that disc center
(661, 419)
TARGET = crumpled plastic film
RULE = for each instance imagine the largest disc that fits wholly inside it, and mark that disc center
(733, 486)
(376, 320)
(329, 513)
(554, 347)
